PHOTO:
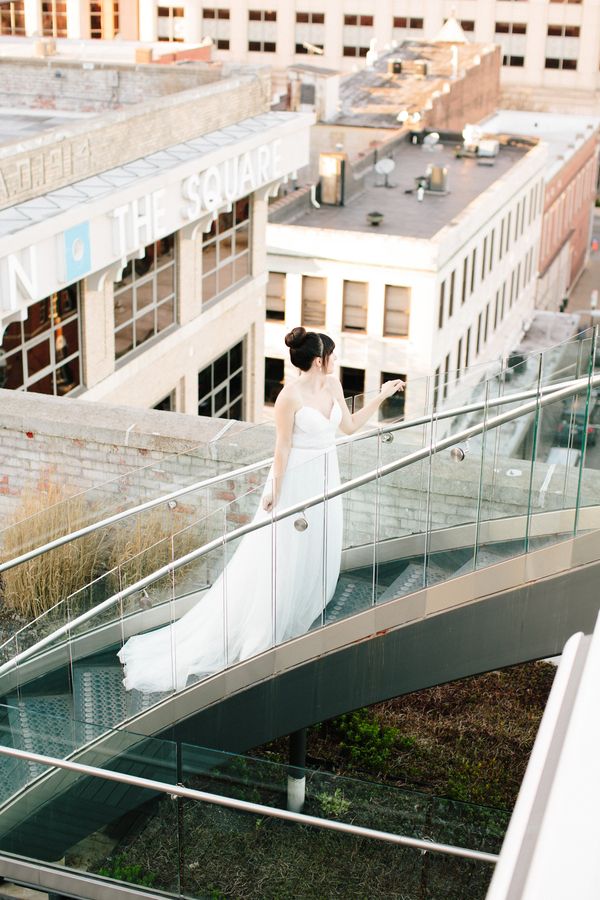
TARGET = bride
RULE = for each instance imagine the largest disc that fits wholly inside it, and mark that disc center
(279, 579)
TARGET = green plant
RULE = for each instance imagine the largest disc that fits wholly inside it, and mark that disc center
(333, 805)
(368, 742)
(119, 869)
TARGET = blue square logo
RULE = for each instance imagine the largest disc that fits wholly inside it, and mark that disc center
(78, 257)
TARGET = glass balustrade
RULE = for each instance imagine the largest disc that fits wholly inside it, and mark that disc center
(188, 847)
(459, 500)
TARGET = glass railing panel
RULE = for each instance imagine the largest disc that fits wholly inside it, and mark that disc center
(81, 805)
(354, 514)
(237, 848)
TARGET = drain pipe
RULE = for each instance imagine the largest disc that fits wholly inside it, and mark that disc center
(296, 783)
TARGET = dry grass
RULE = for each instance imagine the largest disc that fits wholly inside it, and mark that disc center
(127, 551)
(31, 588)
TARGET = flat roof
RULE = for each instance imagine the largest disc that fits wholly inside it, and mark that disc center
(564, 132)
(373, 97)
(404, 214)
(18, 124)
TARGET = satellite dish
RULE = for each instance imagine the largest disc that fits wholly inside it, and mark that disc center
(430, 140)
(385, 167)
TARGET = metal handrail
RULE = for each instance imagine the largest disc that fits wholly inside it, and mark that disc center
(178, 790)
(217, 543)
(263, 463)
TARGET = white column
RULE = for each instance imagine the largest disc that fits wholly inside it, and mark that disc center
(193, 21)
(98, 333)
(148, 24)
(78, 25)
(33, 17)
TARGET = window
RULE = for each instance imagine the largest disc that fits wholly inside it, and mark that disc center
(484, 259)
(310, 31)
(42, 354)
(468, 348)
(354, 313)
(501, 245)
(12, 18)
(436, 387)
(262, 30)
(353, 384)
(170, 23)
(464, 279)
(441, 304)
(273, 379)
(512, 37)
(507, 245)
(393, 408)
(396, 315)
(478, 339)
(473, 264)
(467, 24)
(496, 308)
(226, 251)
(314, 292)
(167, 404)
(96, 29)
(216, 25)
(502, 306)
(276, 296)
(221, 386)
(512, 289)
(446, 376)
(451, 294)
(357, 34)
(403, 25)
(459, 358)
(562, 46)
(144, 298)
(487, 324)
(492, 236)
(54, 18)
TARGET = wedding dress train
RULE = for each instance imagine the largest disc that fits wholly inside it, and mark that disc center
(274, 586)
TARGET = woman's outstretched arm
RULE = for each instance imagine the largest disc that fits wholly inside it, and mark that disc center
(285, 408)
(352, 422)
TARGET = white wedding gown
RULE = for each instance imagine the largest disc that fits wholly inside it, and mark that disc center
(277, 582)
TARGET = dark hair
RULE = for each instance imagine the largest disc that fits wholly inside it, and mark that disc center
(328, 346)
(305, 346)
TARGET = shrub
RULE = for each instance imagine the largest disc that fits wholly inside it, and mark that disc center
(368, 743)
(333, 806)
(119, 869)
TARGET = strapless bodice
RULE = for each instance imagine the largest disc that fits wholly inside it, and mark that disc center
(313, 430)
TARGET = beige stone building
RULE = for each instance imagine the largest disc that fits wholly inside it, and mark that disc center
(132, 231)
(550, 48)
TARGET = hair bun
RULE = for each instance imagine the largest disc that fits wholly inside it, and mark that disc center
(296, 337)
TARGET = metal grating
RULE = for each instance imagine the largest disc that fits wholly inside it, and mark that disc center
(99, 698)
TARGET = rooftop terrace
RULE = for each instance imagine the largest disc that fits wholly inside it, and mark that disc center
(403, 213)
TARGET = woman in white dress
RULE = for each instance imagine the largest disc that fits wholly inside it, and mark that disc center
(279, 579)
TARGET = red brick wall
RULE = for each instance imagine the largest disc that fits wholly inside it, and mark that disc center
(568, 203)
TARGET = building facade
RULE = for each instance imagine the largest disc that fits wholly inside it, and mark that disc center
(569, 196)
(550, 48)
(132, 267)
(444, 282)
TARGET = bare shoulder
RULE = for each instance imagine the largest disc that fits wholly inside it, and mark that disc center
(289, 398)
(334, 386)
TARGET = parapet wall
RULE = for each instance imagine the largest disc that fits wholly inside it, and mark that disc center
(124, 456)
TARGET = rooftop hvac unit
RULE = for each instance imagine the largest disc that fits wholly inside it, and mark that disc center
(394, 67)
(331, 172)
(421, 67)
(438, 179)
(488, 147)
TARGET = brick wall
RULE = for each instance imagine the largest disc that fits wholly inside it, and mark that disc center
(126, 456)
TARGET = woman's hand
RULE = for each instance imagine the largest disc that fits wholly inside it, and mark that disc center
(388, 388)
(269, 502)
